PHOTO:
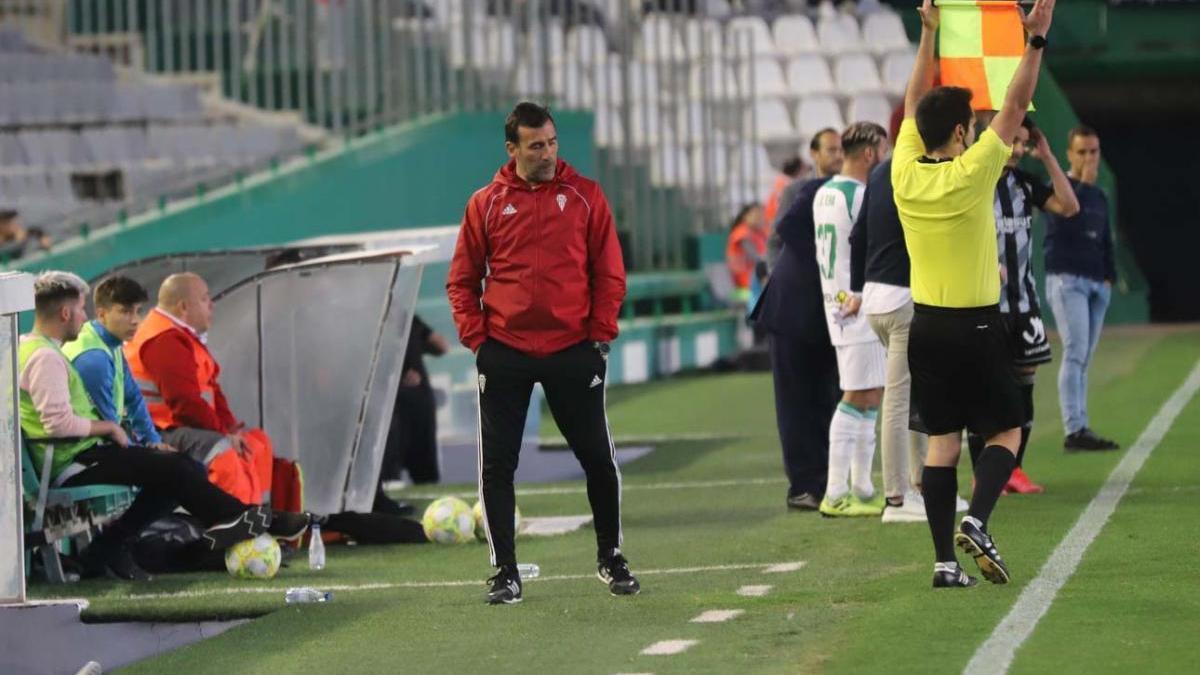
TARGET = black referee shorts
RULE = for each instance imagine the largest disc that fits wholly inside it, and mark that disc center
(962, 374)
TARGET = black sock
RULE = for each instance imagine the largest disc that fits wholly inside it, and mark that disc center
(939, 485)
(1025, 431)
(1027, 428)
(975, 445)
(991, 475)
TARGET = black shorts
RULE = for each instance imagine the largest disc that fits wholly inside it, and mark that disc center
(962, 374)
(1027, 335)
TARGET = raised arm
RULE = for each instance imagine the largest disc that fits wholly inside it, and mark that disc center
(1063, 202)
(1020, 90)
(921, 80)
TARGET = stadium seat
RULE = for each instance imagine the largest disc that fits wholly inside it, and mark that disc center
(763, 78)
(816, 113)
(856, 74)
(12, 153)
(690, 123)
(586, 45)
(648, 126)
(753, 164)
(710, 164)
(809, 75)
(608, 130)
(883, 32)
(659, 40)
(64, 513)
(704, 40)
(493, 44)
(54, 148)
(670, 166)
(839, 36)
(795, 35)
(870, 108)
(749, 36)
(768, 121)
(714, 81)
(897, 66)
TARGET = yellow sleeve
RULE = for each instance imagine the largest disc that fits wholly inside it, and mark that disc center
(983, 162)
(909, 147)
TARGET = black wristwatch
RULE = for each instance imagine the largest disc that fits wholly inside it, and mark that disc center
(1037, 41)
(603, 347)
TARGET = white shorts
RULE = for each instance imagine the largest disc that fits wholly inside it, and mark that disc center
(862, 366)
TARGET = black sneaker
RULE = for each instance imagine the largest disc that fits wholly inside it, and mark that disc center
(950, 575)
(972, 540)
(114, 562)
(247, 525)
(288, 525)
(614, 571)
(805, 501)
(505, 586)
(1086, 440)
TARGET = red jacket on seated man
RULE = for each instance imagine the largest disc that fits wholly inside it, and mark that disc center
(178, 377)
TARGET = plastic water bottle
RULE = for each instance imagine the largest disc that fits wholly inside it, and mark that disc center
(305, 594)
(528, 570)
(316, 548)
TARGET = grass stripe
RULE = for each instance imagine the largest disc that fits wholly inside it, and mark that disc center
(996, 654)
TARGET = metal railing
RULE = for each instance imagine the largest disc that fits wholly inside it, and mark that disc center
(677, 145)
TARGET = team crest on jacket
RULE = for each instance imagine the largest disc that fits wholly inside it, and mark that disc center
(482, 382)
(562, 202)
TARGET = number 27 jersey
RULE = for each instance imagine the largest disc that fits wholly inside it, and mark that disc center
(835, 209)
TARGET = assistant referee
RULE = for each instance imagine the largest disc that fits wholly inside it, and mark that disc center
(958, 349)
(535, 287)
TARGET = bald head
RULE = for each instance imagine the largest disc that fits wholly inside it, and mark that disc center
(185, 296)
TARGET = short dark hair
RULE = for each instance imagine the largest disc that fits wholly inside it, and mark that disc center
(861, 135)
(1080, 130)
(939, 112)
(53, 289)
(815, 143)
(525, 114)
(1027, 122)
(793, 166)
(119, 290)
(7, 214)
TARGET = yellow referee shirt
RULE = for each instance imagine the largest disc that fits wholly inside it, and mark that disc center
(948, 218)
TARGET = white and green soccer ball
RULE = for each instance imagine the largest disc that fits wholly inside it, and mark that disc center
(448, 521)
(256, 558)
(480, 533)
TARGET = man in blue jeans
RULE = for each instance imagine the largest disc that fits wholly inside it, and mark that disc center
(1080, 273)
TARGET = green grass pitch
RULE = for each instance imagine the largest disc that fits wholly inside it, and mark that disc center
(860, 603)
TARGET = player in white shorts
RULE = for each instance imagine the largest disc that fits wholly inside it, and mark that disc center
(862, 360)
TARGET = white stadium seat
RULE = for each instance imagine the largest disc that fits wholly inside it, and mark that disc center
(883, 32)
(660, 40)
(856, 74)
(808, 75)
(704, 40)
(714, 81)
(870, 108)
(764, 78)
(749, 35)
(837, 36)
(769, 121)
(897, 66)
(816, 113)
(795, 35)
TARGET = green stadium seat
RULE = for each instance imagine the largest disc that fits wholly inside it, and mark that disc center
(64, 514)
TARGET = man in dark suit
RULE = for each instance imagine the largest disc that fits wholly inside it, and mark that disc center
(803, 362)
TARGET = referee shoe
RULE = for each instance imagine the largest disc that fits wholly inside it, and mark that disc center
(613, 569)
(972, 540)
(506, 586)
(951, 575)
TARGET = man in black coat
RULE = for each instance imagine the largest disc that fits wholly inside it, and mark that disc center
(803, 362)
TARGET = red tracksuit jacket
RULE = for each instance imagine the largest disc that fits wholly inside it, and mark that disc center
(537, 268)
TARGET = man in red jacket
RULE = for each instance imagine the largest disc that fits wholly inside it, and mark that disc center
(535, 286)
(178, 378)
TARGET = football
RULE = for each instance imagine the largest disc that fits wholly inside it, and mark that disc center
(448, 521)
(256, 558)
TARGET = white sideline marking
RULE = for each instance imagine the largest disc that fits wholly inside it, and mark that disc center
(669, 647)
(650, 439)
(754, 591)
(579, 490)
(718, 615)
(784, 567)
(431, 584)
(996, 654)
